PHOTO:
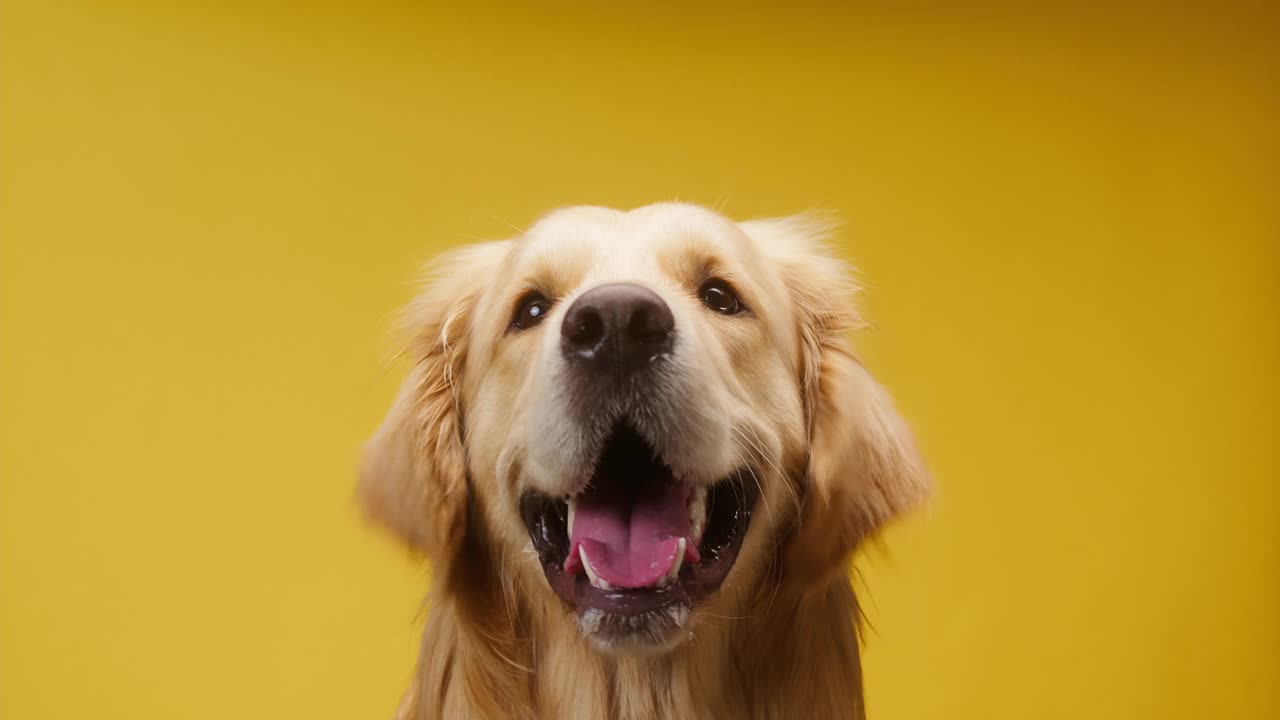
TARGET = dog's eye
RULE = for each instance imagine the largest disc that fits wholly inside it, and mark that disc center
(719, 296)
(530, 311)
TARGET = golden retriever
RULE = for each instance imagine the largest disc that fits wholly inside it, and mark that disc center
(638, 450)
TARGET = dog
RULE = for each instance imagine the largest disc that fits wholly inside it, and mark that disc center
(638, 450)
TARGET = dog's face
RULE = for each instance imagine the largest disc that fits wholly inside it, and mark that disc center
(639, 415)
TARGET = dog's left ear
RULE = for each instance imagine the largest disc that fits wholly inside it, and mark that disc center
(413, 472)
(863, 466)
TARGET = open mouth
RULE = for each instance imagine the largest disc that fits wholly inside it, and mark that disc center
(637, 547)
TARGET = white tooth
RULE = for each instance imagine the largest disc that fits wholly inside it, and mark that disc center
(698, 512)
(591, 573)
(573, 504)
(674, 572)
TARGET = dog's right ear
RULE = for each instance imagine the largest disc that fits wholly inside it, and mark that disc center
(413, 472)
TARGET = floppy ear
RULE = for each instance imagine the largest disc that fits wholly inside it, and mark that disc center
(863, 467)
(413, 473)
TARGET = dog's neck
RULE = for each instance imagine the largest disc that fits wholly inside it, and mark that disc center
(489, 654)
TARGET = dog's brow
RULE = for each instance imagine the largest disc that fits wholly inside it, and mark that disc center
(691, 260)
(553, 266)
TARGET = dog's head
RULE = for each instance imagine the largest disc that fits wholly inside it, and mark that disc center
(639, 416)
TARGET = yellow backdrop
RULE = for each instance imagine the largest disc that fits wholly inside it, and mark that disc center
(1068, 220)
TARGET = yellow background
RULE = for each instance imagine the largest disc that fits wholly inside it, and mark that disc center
(1068, 219)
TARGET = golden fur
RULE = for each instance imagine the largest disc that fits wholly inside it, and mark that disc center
(475, 423)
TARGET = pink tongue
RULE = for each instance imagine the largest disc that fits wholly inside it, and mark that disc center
(631, 542)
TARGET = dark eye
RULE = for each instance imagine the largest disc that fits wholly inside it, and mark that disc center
(532, 309)
(719, 296)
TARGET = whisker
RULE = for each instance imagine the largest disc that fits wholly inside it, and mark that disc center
(728, 617)
(795, 499)
(506, 222)
(791, 491)
(759, 486)
(755, 478)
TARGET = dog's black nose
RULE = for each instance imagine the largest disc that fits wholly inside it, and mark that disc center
(618, 327)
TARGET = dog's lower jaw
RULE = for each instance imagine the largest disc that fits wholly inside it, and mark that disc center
(486, 658)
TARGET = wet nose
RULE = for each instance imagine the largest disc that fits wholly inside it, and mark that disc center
(619, 327)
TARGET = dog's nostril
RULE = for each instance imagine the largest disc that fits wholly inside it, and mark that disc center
(583, 329)
(650, 323)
